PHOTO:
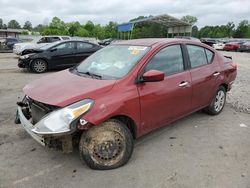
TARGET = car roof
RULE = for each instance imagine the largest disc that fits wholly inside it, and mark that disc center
(150, 41)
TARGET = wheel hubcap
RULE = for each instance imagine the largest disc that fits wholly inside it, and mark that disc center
(109, 150)
(39, 66)
(219, 101)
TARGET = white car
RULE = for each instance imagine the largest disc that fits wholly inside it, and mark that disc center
(18, 48)
(218, 46)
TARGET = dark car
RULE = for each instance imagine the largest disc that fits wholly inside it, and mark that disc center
(7, 43)
(245, 47)
(209, 42)
(123, 92)
(61, 54)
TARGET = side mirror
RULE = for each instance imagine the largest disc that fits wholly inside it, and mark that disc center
(53, 49)
(153, 76)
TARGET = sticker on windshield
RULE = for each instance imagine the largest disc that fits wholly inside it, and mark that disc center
(139, 48)
(135, 50)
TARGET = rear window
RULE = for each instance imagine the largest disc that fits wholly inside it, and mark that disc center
(197, 56)
(210, 55)
(53, 39)
(83, 45)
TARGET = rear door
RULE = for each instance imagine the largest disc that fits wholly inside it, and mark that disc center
(205, 72)
(169, 99)
(63, 55)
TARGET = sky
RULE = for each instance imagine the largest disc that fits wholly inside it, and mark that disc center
(208, 12)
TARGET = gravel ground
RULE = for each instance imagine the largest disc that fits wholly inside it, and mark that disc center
(197, 151)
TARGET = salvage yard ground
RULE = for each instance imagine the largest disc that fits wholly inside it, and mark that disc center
(197, 151)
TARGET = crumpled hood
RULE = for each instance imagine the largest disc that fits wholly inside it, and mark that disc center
(64, 88)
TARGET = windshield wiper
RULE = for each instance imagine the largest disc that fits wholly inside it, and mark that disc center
(90, 74)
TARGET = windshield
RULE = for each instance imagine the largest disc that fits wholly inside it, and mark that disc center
(112, 61)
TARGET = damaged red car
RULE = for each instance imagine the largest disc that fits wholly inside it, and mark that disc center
(123, 92)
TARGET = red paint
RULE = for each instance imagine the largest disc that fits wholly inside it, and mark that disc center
(149, 104)
(232, 46)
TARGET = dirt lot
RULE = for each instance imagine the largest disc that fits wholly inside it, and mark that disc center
(197, 151)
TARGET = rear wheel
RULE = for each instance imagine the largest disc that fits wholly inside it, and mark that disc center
(107, 146)
(218, 102)
(39, 66)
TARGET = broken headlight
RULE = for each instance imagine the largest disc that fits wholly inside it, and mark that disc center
(60, 121)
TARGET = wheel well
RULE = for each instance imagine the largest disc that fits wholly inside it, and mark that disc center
(129, 122)
(225, 86)
(41, 59)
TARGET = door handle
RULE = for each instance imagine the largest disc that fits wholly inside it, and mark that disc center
(183, 84)
(216, 74)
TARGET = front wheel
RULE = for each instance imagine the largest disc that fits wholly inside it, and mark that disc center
(218, 102)
(38, 66)
(107, 146)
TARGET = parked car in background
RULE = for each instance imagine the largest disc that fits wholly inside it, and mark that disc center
(60, 54)
(7, 43)
(108, 41)
(218, 46)
(20, 47)
(245, 47)
(232, 46)
(209, 42)
(122, 92)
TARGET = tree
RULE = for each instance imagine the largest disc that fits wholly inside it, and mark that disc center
(1, 23)
(243, 30)
(14, 24)
(73, 27)
(82, 32)
(27, 25)
(189, 19)
(230, 29)
(195, 31)
(89, 26)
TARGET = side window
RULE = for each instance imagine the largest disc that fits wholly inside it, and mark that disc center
(65, 38)
(83, 45)
(210, 55)
(42, 40)
(53, 39)
(65, 46)
(168, 60)
(197, 56)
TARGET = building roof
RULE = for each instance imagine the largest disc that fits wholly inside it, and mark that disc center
(149, 41)
(166, 20)
(9, 30)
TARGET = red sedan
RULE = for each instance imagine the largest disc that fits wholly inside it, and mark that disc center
(122, 92)
(231, 46)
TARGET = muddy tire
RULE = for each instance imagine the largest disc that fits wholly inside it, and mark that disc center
(107, 146)
(38, 66)
(218, 102)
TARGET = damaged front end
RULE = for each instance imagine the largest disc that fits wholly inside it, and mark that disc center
(52, 126)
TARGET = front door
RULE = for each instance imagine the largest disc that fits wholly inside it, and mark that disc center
(62, 55)
(167, 100)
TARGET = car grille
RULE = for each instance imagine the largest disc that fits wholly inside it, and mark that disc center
(38, 110)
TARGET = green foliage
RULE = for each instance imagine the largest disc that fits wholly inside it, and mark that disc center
(189, 19)
(141, 30)
(243, 30)
(25, 33)
(82, 32)
(195, 31)
(13, 24)
(27, 25)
